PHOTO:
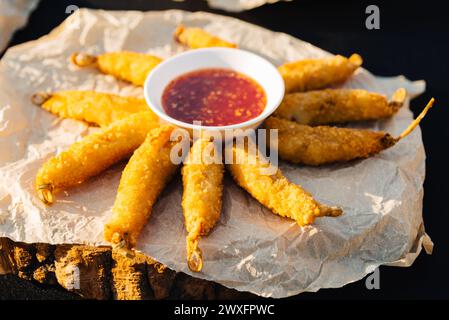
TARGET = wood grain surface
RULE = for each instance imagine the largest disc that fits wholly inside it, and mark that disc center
(102, 273)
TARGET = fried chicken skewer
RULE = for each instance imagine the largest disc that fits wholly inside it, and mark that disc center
(124, 65)
(274, 191)
(312, 74)
(93, 154)
(93, 107)
(202, 178)
(195, 38)
(323, 144)
(148, 171)
(338, 105)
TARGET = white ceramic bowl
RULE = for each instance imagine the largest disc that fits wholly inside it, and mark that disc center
(242, 61)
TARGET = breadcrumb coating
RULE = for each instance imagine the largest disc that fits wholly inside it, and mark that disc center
(202, 197)
(275, 191)
(124, 65)
(311, 74)
(338, 105)
(93, 154)
(320, 145)
(145, 176)
(196, 38)
(93, 107)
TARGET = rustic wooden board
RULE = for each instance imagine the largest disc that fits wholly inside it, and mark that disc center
(103, 273)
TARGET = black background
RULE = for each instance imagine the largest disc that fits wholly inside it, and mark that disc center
(412, 40)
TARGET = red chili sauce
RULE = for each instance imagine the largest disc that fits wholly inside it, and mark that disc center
(216, 97)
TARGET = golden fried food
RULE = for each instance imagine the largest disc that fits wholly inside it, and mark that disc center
(145, 176)
(275, 191)
(93, 154)
(195, 38)
(93, 107)
(201, 201)
(124, 65)
(304, 144)
(312, 74)
(338, 105)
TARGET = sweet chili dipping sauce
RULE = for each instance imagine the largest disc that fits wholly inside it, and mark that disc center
(216, 97)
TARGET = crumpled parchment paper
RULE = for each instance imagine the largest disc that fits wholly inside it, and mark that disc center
(13, 15)
(250, 249)
(239, 5)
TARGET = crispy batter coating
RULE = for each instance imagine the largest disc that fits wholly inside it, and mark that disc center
(145, 176)
(124, 65)
(201, 201)
(312, 74)
(275, 191)
(338, 105)
(93, 107)
(195, 38)
(304, 144)
(93, 154)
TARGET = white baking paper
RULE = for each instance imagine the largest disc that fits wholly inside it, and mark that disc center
(238, 5)
(13, 15)
(250, 249)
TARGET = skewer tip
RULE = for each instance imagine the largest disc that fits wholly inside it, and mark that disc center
(195, 260)
(194, 254)
(398, 99)
(45, 193)
(120, 244)
(179, 30)
(416, 122)
(356, 59)
(326, 211)
(81, 59)
(39, 98)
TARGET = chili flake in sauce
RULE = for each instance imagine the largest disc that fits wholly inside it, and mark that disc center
(216, 97)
